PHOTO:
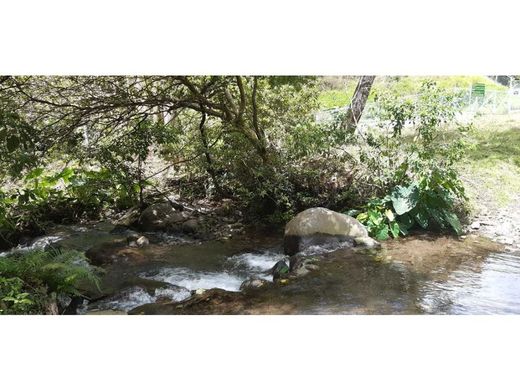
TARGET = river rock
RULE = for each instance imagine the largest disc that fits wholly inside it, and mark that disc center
(191, 226)
(253, 283)
(142, 241)
(280, 270)
(106, 312)
(301, 266)
(475, 225)
(213, 301)
(319, 226)
(136, 240)
(150, 285)
(161, 217)
(112, 252)
(129, 219)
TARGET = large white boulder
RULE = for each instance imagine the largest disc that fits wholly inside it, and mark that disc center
(318, 226)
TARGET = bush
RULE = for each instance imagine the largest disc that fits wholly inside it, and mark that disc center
(13, 298)
(63, 197)
(410, 161)
(30, 281)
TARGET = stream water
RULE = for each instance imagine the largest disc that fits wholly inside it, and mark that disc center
(417, 275)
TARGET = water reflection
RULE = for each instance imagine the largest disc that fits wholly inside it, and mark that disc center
(416, 275)
(419, 275)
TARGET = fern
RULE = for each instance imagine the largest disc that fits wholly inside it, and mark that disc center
(50, 272)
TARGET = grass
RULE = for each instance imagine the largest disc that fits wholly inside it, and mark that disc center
(492, 167)
(404, 85)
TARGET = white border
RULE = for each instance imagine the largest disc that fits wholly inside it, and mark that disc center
(269, 37)
(238, 352)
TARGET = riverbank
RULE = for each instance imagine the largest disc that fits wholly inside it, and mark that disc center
(491, 174)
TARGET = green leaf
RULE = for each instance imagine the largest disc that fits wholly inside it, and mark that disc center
(34, 173)
(375, 217)
(394, 229)
(406, 221)
(438, 216)
(66, 174)
(404, 198)
(453, 220)
(382, 233)
(403, 229)
(390, 215)
(421, 218)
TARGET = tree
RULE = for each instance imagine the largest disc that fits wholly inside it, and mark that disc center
(359, 100)
(224, 126)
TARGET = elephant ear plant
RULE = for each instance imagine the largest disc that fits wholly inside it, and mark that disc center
(424, 204)
(379, 219)
(411, 157)
(416, 205)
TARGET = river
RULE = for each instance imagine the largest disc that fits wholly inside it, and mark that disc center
(425, 274)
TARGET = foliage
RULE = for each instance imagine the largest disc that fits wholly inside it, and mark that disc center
(223, 127)
(65, 196)
(410, 161)
(17, 137)
(424, 204)
(30, 280)
(261, 181)
(93, 142)
(379, 219)
(13, 298)
(338, 96)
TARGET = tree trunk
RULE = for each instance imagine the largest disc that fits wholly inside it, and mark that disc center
(209, 160)
(359, 100)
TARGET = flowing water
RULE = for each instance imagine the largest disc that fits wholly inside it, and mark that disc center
(417, 275)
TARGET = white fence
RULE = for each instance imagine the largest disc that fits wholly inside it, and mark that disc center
(493, 102)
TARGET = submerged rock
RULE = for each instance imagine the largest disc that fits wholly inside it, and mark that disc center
(213, 301)
(253, 283)
(137, 241)
(217, 301)
(319, 226)
(300, 266)
(134, 296)
(106, 312)
(150, 285)
(112, 252)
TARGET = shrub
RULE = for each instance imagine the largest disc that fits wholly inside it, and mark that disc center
(29, 281)
(13, 298)
(409, 159)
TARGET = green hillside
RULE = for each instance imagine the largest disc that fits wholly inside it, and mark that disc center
(406, 85)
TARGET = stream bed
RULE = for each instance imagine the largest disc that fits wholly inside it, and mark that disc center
(425, 274)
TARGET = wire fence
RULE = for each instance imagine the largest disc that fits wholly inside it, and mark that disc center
(493, 102)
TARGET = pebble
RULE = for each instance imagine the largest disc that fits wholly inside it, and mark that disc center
(475, 225)
(142, 241)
